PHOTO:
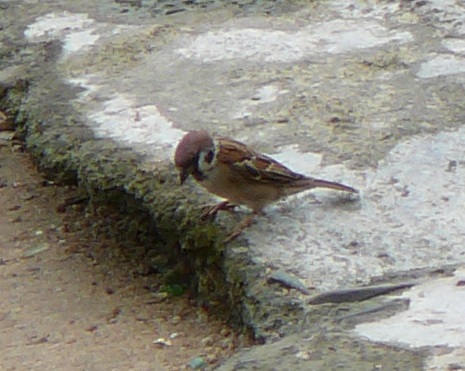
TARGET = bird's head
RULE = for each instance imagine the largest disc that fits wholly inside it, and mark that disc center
(186, 157)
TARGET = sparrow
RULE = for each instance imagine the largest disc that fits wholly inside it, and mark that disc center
(239, 174)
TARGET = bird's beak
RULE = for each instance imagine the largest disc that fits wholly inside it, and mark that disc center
(183, 175)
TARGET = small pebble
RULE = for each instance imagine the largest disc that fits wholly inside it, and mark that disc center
(303, 355)
(163, 342)
(197, 363)
(207, 341)
(36, 250)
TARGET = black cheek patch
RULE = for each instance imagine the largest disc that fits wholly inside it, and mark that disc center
(209, 157)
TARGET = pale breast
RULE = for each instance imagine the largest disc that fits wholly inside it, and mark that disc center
(226, 183)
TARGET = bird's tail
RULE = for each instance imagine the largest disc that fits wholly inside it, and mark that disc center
(320, 183)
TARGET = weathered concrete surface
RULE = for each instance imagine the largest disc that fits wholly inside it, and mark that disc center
(366, 93)
(325, 351)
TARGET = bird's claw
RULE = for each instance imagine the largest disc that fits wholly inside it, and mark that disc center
(209, 212)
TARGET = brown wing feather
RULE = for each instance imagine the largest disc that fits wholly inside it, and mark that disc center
(254, 165)
(257, 167)
(233, 151)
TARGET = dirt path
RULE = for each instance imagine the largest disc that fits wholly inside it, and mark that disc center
(70, 300)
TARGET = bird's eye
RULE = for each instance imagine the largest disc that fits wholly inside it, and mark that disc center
(209, 156)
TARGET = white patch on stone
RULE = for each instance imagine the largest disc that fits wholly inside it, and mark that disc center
(263, 95)
(410, 215)
(455, 45)
(79, 40)
(119, 117)
(53, 25)
(269, 45)
(435, 317)
(122, 119)
(267, 94)
(76, 30)
(444, 64)
(301, 162)
(341, 36)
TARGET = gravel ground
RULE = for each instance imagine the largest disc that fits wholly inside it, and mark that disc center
(74, 298)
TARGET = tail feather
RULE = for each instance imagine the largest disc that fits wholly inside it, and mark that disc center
(320, 183)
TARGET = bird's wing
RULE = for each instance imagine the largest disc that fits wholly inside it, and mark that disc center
(253, 165)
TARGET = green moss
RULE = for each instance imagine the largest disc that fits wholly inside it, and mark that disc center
(11, 96)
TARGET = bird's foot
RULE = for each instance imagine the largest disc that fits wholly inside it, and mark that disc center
(209, 212)
(246, 223)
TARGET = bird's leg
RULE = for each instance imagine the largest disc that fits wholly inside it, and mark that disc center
(246, 223)
(210, 212)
